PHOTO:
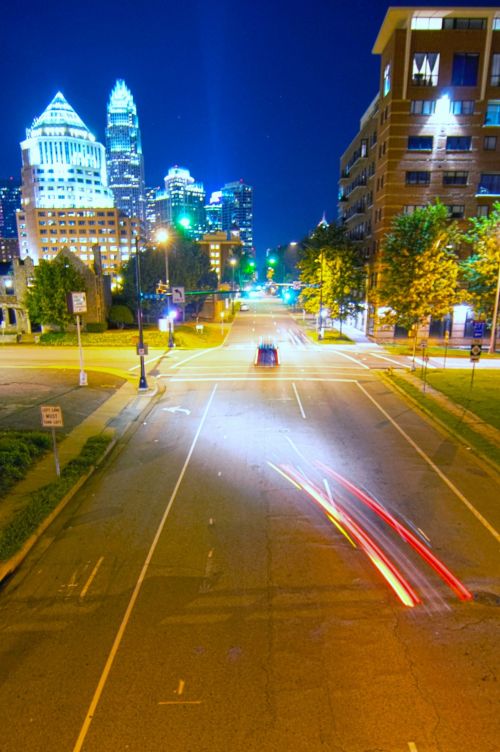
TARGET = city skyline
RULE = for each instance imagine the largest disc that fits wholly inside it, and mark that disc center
(278, 115)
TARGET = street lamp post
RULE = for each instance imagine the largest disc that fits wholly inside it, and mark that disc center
(232, 261)
(162, 237)
(143, 385)
(320, 315)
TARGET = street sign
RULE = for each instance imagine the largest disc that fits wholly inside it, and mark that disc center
(295, 285)
(51, 416)
(478, 331)
(77, 302)
(142, 350)
(178, 295)
(475, 352)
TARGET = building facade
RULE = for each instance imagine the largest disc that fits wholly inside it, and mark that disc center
(219, 247)
(65, 199)
(124, 158)
(10, 202)
(237, 211)
(432, 131)
(182, 203)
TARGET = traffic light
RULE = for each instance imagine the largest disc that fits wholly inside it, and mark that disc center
(161, 288)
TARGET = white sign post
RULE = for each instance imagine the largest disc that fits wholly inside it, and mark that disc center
(52, 418)
(77, 304)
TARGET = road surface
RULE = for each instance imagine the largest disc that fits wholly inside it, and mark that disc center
(277, 559)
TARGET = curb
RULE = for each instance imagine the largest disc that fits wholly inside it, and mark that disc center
(9, 566)
(445, 429)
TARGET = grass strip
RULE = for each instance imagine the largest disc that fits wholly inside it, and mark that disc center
(482, 397)
(452, 422)
(42, 501)
(185, 337)
(19, 450)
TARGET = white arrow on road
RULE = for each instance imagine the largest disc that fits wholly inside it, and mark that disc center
(177, 409)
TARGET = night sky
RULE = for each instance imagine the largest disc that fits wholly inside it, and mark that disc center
(268, 91)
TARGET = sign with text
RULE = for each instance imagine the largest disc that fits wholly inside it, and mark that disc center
(77, 302)
(478, 330)
(475, 353)
(51, 416)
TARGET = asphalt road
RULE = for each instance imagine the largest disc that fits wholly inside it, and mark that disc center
(230, 580)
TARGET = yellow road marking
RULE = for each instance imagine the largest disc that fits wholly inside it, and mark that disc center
(91, 578)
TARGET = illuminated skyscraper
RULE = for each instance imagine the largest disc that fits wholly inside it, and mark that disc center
(237, 211)
(65, 199)
(10, 202)
(125, 161)
(182, 202)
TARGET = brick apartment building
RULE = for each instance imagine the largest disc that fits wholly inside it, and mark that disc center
(433, 130)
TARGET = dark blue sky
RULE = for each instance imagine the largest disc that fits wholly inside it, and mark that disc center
(267, 91)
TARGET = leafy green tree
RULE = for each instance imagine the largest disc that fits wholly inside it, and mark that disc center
(420, 267)
(46, 298)
(331, 269)
(120, 315)
(481, 271)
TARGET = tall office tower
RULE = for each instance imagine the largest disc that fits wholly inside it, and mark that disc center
(65, 199)
(10, 202)
(182, 203)
(125, 162)
(237, 211)
(213, 212)
(432, 131)
(152, 220)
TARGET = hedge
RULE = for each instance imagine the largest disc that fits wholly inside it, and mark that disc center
(41, 502)
(19, 450)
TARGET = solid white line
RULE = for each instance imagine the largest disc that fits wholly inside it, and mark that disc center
(412, 747)
(436, 469)
(180, 702)
(196, 355)
(257, 378)
(298, 400)
(91, 578)
(384, 357)
(345, 355)
(135, 594)
(151, 360)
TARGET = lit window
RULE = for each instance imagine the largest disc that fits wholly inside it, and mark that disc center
(387, 79)
(425, 71)
(410, 208)
(458, 143)
(483, 209)
(420, 143)
(489, 184)
(465, 66)
(426, 24)
(492, 113)
(495, 70)
(462, 107)
(455, 178)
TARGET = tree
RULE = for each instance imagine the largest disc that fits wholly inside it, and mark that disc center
(420, 267)
(189, 267)
(46, 298)
(332, 272)
(120, 315)
(481, 271)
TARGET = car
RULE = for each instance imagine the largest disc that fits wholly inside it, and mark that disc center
(267, 354)
(244, 307)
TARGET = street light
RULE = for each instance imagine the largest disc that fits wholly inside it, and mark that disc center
(162, 237)
(320, 332)
(143, 385)
(233, 263)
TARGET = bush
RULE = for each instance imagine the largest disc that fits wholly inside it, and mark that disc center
(96, 326)
(120, 315)
(18, 451)
(43, 501)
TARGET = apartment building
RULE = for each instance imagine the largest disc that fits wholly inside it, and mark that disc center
(432, 131)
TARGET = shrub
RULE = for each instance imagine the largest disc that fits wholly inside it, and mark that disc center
(18, 451)
(120, 315)
(96, 326)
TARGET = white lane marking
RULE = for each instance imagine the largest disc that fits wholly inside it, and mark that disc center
(180, 702)
(345, 355)
(121, 630)
(176, 409)
(257, 378)
(91, 578)
(436, 469)
(196, 355)
(423, 363)
(412, 747)
(384, 357)
(150, 360)
(298, 400)
(180, 688)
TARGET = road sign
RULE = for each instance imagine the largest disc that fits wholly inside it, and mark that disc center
(475, 352)
(478, 331)
(77, 302)
(178, 295)
(295, 285)
(142, 350)
(51, 416)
